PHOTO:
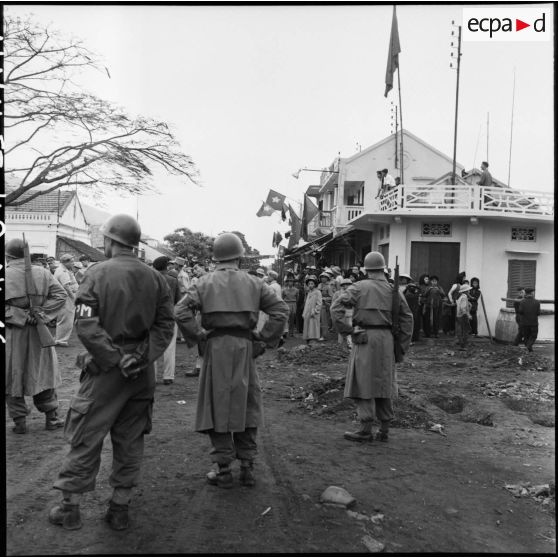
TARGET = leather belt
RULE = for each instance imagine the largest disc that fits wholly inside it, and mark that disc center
(235, 332)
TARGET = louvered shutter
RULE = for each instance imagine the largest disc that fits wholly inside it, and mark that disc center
(521, 273)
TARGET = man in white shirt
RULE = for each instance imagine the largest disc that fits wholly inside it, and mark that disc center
(389, 181)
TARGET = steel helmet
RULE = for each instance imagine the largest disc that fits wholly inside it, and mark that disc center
(14, 248)
(227, 246)
(124, 229)
(374, 261)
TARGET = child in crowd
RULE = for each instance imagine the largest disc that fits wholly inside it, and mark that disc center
(345, 283)
(462, 316)
(434, 296)
(474, 295)
(423, 284)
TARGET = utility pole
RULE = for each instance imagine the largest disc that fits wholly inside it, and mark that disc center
(456, 96)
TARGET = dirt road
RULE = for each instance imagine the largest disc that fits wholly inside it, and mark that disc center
(441, 490)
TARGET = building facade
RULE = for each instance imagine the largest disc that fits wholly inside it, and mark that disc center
(503, 236)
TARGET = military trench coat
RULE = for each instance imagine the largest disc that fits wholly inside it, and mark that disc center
(371, 372)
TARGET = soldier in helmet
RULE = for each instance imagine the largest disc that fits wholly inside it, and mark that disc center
(30, 368)
(124, 318)
(371, 379)
(229, 405)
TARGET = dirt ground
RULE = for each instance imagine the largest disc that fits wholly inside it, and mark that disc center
(482, 483)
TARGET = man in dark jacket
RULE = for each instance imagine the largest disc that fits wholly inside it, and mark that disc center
(529, 312)
(167, 363)
(124, 318)
(520, 336)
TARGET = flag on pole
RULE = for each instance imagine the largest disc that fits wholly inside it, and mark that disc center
(275, 200)
(277, 238)
(295, 228)
(393, 54)
(284, 212)
(310, 211)
(265, 210)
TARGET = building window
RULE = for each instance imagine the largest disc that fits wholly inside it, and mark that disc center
(436, 229)
(521, 273)
(525, 234)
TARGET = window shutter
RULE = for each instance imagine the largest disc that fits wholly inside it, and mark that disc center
(521, 273)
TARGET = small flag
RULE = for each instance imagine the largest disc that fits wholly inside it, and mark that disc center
(393, 54)
(275, 200)
(310, 211)
(295, 228)
(265, 210)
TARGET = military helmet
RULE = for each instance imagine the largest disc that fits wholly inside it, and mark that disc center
(374, 261)
(124, 229)
(227, 246)
(14, 248)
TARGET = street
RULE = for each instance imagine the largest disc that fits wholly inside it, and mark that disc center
(429, 489)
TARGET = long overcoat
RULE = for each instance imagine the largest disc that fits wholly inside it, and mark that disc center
(229, 394)
(31, 369)
(311, 315)
(371, 371)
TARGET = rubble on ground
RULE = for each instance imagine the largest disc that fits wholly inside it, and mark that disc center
(515, 389)
(545, 494)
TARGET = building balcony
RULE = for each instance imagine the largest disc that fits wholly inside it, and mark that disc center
(460, 200)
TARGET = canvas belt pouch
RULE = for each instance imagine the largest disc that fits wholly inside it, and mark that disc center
(15, 317)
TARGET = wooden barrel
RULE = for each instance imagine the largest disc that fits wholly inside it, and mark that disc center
(506, 326)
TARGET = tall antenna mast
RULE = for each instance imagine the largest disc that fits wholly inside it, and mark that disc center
(511, 128)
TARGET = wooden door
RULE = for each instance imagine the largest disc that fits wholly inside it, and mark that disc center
(436, 258)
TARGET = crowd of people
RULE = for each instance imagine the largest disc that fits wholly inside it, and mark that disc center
(128, 316)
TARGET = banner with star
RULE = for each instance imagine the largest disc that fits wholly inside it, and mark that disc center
(275, 200)
(265, 210)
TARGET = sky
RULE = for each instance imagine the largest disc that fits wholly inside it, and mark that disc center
(253, 93)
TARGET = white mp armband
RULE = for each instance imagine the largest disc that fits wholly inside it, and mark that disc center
(84, 311)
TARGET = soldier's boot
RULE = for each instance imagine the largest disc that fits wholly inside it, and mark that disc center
(52, 421)
(383, 434)
(222, 479)
(117, 514)
(67, 513)
(20, 426)
(247, 477)
(364, 434)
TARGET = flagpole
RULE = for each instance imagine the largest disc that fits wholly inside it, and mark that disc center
(456, 105)
(400, 119)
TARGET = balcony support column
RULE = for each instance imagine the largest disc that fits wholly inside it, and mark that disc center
(398, 245)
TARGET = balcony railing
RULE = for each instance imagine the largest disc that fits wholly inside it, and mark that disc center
(467, 199)
(353, 211)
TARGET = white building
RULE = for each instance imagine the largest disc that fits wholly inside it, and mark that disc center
(53, 224)
(503, 236)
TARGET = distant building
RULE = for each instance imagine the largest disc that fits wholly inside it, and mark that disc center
(53, 224)
(503, 236)
(149, 248)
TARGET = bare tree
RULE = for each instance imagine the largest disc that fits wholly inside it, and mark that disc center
(57, 134)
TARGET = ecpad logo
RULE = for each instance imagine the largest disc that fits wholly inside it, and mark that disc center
(507, 24)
